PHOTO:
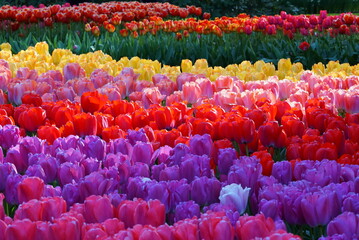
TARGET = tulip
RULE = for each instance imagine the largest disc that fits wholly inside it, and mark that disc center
(142, 152)
(32, 118)
(10, 136)
(205, 190)
(97, 209)
(214, 226)
(195, 166)
(185, 210)
(226, 158)
(69, 172)
(2, 211)
(191, 92)
(48, 133)
(30, 188)
(234, 194)
(186, 229)
(65, 227)
(282, 171)
(72, 71)
(6, 169)
(21, 229)
(85, 124)
(346, 224)
(271, 135)
(251, 227)
(93, 101)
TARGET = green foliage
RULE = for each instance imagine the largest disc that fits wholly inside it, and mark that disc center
(219, 51)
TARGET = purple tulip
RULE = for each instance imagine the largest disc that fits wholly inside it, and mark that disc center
(65, 143)
(301, 167)
(231, 212)
(185, 210)
(5, 170)
(9, 136)
(170, 173)
(158, 190)
(351, 203)
(317, 208)
(347, 173)
(30, 145)
(96, 184)
(12, 182)
(140, 169)
(226, 157)
(142, 152)
(346, 223)
(137, 187)
(90, 165)
(205, 190)
(201, 145)
(156, 170)
(50, 191)
(13, 156)
(95, 147)
(282, 171)
(112, 159)
(36, 171)
(49, 165)
(271, 208)
(323, 173)
(69, 172)
(291, 203)
(195, 166)
(356, 185)
(179, 191)
(246, 172)
(179, 151)
(71, 194)
(69, 155)
(161, 155)
(116, 198)
(120, 145)
(134, 136)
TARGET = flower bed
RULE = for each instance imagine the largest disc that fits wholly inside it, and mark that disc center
(175, 155)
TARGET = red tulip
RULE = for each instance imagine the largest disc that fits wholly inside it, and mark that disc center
(244, 130)
(304, 46)
(272, 135)
(93, 101)
(31, 98)
(85, 124)
(48, 133)
(32, 118)
(112, 132)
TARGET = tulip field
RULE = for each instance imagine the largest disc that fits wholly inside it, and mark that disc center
(150, 121)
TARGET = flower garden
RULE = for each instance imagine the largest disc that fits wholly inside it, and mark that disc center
(129, 120)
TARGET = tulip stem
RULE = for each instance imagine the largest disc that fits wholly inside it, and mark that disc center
(236, 146)
(247, 150)
(9, 209)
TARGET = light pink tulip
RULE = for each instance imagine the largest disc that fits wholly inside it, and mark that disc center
(72, 71)
(223, 82)
(191, 92)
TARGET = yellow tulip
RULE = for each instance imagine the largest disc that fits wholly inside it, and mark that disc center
(5, 47)
(186, 65)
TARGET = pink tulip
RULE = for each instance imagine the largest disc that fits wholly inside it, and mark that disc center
(30, 188)
(111, 91)
(206, 87)
(128, 76)
(285, 88)
(100, 77)
(215, 226)
(225, 99)
(223, 82)
(191, 92)
(63, 93)
(72, 71)
(66, 228)
(31, 210)
(3, 97)
(97, 209)
(351, 100)
(26, 74)
(17, 89)
(21, 230)
(251, 227)
(151, 96)
(142, 84)
(82, 85)
(184, 78)
(2, 212)
(165, 85)
(5, 77)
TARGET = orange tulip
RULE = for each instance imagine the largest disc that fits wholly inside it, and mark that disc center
(93, 101)
(85, 124)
